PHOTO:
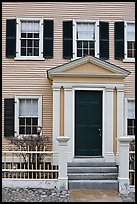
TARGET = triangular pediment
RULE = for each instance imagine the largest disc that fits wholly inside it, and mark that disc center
(88, 67)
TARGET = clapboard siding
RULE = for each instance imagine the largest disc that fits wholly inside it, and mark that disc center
(21, 77)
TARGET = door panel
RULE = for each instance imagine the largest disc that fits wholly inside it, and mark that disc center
(88, 123)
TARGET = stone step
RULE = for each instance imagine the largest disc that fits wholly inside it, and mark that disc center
(91, 164)
(93, 184)
(91, 169)
(92, 176)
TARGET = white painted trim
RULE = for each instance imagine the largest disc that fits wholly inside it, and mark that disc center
(88, 85)
(17, 97)
(96, 36)
(88, 59)
(126, 59)
(56, 122)
(30, 183)
(18, 41)
(103, 115)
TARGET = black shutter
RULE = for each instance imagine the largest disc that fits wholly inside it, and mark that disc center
(11, 38)
(8, 117)
(119, 40)
(48, 39)
(104, 40)
(67, 40)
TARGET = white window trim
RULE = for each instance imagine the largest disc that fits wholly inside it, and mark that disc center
(96, 37)
(127, 59)
(126, 114)
(18, 45)
(17, 97)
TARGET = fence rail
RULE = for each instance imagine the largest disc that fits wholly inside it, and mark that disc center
(27, 164)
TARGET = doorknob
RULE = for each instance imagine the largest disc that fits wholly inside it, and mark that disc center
(99, 132)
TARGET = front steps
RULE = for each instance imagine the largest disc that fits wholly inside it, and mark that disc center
(92, 175)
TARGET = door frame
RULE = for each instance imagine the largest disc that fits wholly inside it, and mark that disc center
(103, 116)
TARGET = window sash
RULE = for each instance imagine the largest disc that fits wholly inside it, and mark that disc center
(130, 32)
(131, 109)
(28, 107)
(85, 31)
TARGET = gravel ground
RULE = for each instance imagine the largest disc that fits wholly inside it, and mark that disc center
(44, 195)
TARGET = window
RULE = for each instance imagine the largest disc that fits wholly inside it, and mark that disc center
(30, 37)
(30, 41)
(129, 40)
(86, 38)
(28, 115)
(131, 118)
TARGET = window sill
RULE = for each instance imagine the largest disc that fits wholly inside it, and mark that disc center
(30, 58)
(129, 60)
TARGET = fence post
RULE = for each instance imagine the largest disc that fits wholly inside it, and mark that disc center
(62, 158)
(123, 176)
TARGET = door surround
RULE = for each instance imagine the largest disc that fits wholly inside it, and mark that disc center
(103, 116)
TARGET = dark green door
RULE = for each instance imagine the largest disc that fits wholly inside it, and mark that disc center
(88, 123)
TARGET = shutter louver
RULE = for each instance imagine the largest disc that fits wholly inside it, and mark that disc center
(11, 38)
(48, 39)
(119, 40)
(104, 40)
(67, 40)
(8, 117)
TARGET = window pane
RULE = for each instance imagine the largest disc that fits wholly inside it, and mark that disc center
(79, 44)
(23, 51)
(28, 121)
(23, 35)
(85, 44)
(85, 52)
(34, 130)
(36, 43)
(21, 130)
(23, 43)
(92, 44)
(29, 43)
(29, 52)
(35, 121)
(30, 35)
(28, 130)
(36, 35)
(79, 52)
(21, 121)
(36, 51)
(92, 52)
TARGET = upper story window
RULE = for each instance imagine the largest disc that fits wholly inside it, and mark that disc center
(130, 40)
(85, 40)
(29, 42)
(29, 38)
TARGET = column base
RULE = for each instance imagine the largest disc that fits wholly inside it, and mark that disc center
(63, 183)
(124, 185)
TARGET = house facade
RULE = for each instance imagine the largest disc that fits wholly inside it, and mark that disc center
(69, 68)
